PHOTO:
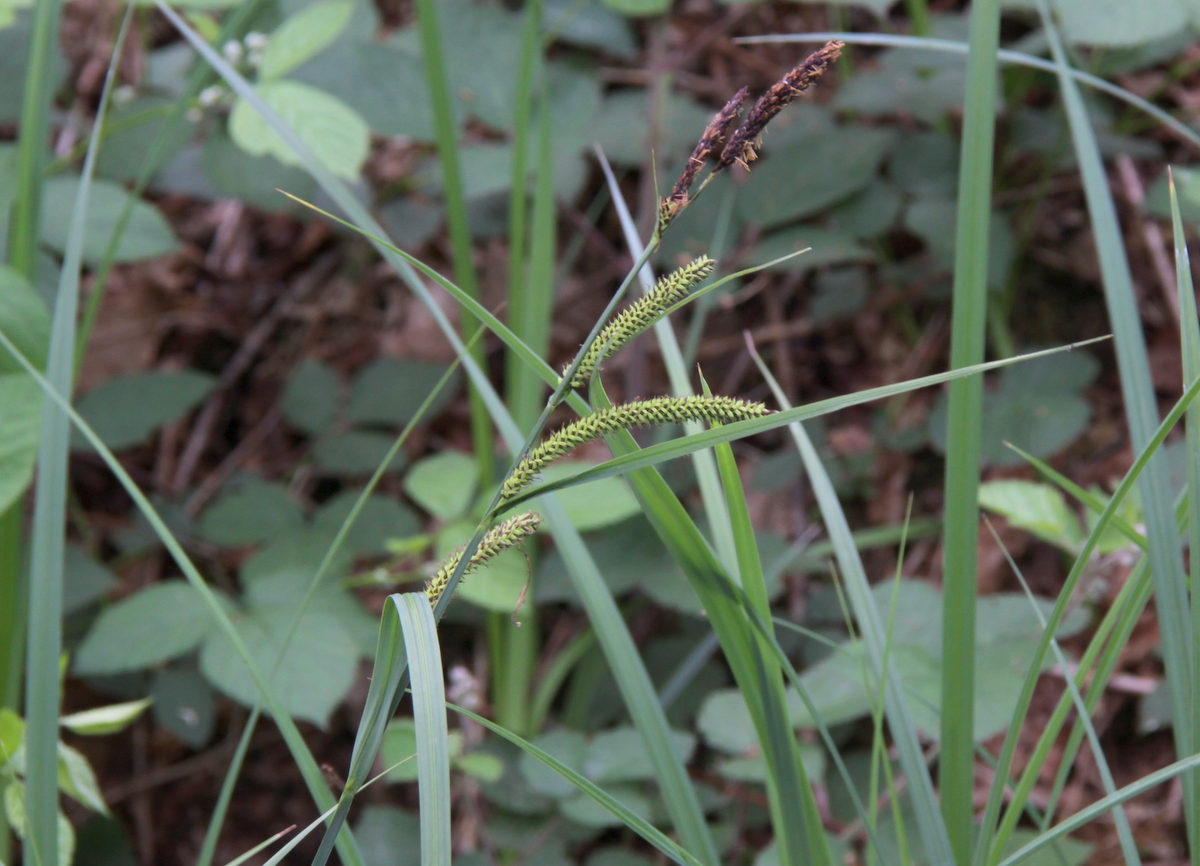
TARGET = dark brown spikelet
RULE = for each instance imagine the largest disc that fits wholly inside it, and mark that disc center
(740, 147)
(713, 134)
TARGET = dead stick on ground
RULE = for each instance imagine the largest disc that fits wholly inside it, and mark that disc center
(206, 421)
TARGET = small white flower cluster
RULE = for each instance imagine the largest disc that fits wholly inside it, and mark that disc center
(246, 52)
(249, 49)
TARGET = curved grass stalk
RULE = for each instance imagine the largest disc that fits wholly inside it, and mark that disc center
(685, 445)
(311, 773)
(632, 678)
(1004, 55)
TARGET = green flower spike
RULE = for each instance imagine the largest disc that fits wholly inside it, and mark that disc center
(505, 534)
(641, 314)
(644, 413)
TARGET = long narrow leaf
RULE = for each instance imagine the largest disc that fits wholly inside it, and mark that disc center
(685, 445)
(42, 691)
(1170, 583)
(875, 637)
(964, 431)
(429, 714)
(614, 806)
(1189, 336)
(1016, 58)
(309, 770)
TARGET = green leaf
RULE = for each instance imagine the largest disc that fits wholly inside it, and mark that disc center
(126, 410)
(333, 131)
(444, 484)
(921, 83)
(19, 425)
(1038, 508)
(391, 390)
(184, 704)
(1187, 188)
(824, 248)
(382, 518)
(24, 319)
(589, 25)
(389, 836)
(638, 8)
(582, 809)
(310, 397)
(135, 129)
(302, 36)
(312, 677)
(399, 750)
(106, 720)
(806, 177)
(84, 579)
(355, 452)
(256, 180)
(498, 584)
(567, 747)
(77, 779)
(596, 505)
(933, 221)
(480, 765)
(1117, 22)
(253, 512)
(147, 235)
(12, 734)
(1039, 407)
(384, 84)
(619, 755)
(157, 623)
(925, 163)
(621, 126)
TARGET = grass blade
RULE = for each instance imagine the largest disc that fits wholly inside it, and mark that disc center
(1098, 808)
(48, 538)
(685, 445)
(964, 431)
(614, 806)
(446, 136)
(1004, 55)
(875, 636)
(335, 546)
(1170, 583)
(309, 770)
(429, 714)
(1128, 848)
(993, 839)
(632, 678)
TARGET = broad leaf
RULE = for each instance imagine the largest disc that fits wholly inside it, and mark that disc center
(444, 484)
(126, 410)
(23, 319)
(147, 235)
(105, 720)
(333, 131)
(157, 623)
(391, 390)
(302, 36)
(251, 513)
(310, 397)
(1038, 508)
(19, 424)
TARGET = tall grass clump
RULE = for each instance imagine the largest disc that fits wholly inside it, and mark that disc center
(545, 414)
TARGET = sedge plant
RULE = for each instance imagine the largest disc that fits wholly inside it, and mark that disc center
(731, 586)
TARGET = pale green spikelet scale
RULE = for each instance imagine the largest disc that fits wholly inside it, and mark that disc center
(641, 314)
(643, 413)
(505, 534)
